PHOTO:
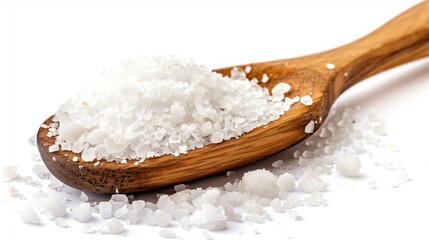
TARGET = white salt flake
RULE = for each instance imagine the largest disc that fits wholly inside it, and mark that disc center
(348, 165)
(265, 78)
(105, 209)
(83, 197)
(113, 226)
(330, 66)
(309, 128)
(82, 212)
(10, 172)
(166, 233)
(30, 216)
(248, 69)
(277, 164)
(307, 100)
(61, 222)
(286, 182)
(261, 183)
(311, 182)
(280, 88)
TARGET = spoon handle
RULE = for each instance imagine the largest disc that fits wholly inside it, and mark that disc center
(401, 40)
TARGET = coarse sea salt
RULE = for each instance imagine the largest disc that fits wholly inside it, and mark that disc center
(181, 104)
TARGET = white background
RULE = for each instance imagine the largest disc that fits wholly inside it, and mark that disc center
(50, 49)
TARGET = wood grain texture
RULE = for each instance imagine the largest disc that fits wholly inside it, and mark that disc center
(401, 40)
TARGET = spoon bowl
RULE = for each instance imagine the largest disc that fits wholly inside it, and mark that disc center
(323, 76)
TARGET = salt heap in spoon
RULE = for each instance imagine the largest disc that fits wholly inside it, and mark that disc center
(152, 106)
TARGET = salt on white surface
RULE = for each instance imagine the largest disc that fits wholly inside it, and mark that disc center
(82, 212)
(348, 165)
(10, 172)
(83, 197)
(30, 216)
(183, 105)
(113, 226)
(166, 233)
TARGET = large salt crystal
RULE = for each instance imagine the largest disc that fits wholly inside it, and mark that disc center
(105, 209)
(348, 165)
(209, 217)
(280, 88)
(113, 226)
(30, 216)
(311, 182)
(10, 172)
(82, 212)
(165, 203)
(162, 218)
(261, 182)
(53, 207)
(286, 182)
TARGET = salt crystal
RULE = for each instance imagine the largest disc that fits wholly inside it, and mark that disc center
(119, 198)
(83, 197)
(54, 148)
(286, 182)
(261, 183)
(348, 165)
(40, 171)
(248, 69)
(277, 206)
(307, 100)
(230, 173)
(113, 226)
(309, 128)
(30, 216)
(315, 199)
(277, 164)
(216, 137)
(265, 78)
(166, 233)
(209, 217)
(207, 236)
(330, 66)
(372, 184)
(311, 182)
(162, 218)
(88, 228)
(82, 212)
(294, 215)
(138, 204)
(380, 130)
(52, 206)
(60, 222)
(280, 88)
(13, 192)
(10, 172)
(32, 140)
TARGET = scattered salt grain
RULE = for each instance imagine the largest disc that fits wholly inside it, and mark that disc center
(380, 130)
(40, 170)
(265, 78)
(89, 228)
(280, 88)
(372, 184)
(277, 164)
(162, 218)
(315, 199)
(206, 235)
(230, 173)
(60, 222)
(277, 206)
(54, 148)
(166, 233)
(248, 69)
(348, 165)
(32, 140)
(330, 66)
(30, 216)
(53, 207)
(311, 182)
(113, 226)
(83, 197)
(10, 172)
(294, 215)
(119, 198)
(307, 100)
(309, 128)
(13, 192)
(82, 212)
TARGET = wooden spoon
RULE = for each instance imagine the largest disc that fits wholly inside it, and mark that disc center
(403, 39)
